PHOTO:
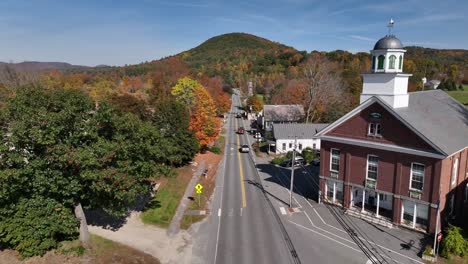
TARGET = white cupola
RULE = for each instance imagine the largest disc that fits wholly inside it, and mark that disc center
(386, 78)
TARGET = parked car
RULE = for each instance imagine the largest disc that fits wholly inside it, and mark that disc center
(288, 163)
(238, 115)
(316, 162)
(240, 130)
(244, 149)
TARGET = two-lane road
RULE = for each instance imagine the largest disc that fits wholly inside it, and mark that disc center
(243, 227)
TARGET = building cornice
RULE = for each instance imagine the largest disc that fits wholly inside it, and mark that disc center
(381, 146)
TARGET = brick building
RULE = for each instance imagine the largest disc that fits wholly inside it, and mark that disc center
(398, 154)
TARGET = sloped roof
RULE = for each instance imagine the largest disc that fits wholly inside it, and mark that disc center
(433, 115)
(439, 117)
(302, 131)
(282, 113)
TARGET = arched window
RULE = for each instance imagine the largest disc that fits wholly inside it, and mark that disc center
(392, 60)
(381, 61)
(400, 62)
(373, 62)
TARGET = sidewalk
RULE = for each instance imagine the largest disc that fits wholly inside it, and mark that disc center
(344, 232)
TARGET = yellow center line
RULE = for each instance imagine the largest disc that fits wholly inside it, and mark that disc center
(244, 203)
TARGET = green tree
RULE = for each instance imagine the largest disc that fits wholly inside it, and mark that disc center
(173, 120)
(62, 154)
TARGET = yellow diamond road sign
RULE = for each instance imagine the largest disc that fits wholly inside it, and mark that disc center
(199, 188)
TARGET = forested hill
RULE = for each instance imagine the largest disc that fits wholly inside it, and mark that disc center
(441, 56)
(229, 52)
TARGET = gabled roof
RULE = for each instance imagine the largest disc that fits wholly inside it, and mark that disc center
(302, 131)
(282, 113)
(433, 115)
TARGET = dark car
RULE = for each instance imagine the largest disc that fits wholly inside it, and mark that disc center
(240, 130)
(288, 163)
(238, 115)
(316, 162)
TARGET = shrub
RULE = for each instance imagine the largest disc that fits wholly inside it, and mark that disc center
(454, 243)
(278, 160)
(428, 251)
(308, 154)
(216, 150)
(289, 155)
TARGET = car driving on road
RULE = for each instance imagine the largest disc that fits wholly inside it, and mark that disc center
(244, 149)
(240, 130)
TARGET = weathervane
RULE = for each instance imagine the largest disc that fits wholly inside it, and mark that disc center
(390, 26)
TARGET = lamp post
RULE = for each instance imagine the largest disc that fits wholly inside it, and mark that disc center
(424, 80)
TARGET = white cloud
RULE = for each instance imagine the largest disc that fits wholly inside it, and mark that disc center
(362, 38)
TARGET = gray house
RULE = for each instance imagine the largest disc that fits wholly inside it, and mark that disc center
(280, 114)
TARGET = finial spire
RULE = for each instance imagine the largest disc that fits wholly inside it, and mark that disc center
(390, 26)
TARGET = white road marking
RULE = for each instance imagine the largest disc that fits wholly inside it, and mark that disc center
(311, 230)
(241, 211)
(300, 206)
(219, 212)
(310, 220)
(339, 229)
(283, 211)
(231, 212)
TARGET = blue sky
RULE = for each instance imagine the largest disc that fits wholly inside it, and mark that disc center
(115, 32)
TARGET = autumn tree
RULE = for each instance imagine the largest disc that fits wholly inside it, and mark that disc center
(201, 107)
(255, 103)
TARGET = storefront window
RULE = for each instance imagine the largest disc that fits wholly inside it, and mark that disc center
(408, 213)
(422, 212)
(339, 192)
(330, 190)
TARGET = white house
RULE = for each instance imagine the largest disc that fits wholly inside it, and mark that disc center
(305, 134)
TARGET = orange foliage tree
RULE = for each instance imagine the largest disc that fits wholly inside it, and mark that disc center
(203, 121)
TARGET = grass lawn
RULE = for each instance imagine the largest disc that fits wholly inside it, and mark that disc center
(164, 205)
(461, 96)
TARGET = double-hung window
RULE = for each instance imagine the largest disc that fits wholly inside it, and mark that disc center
(375, 129)
(417, 177)
(372, 171)
(334, 162)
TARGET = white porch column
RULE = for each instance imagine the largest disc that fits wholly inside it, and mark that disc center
(351, 201)
(334, 191)
(414, 215)
(325, 197)
(378, 206)
(363, 199)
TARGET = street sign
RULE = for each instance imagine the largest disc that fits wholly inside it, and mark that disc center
(198, 188)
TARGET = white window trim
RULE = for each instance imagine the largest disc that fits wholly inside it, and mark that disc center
(454, 171)
(331, 159)
(367, 168)
(375, 134)
(369, 129)
(411, 177)
(466, 193)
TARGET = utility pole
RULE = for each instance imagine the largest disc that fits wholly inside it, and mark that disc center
(292, 172)
(436, 233)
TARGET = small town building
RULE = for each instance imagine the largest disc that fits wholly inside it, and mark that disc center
(279, 114)
(432, 84)
(305, 136)
(398, 156)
